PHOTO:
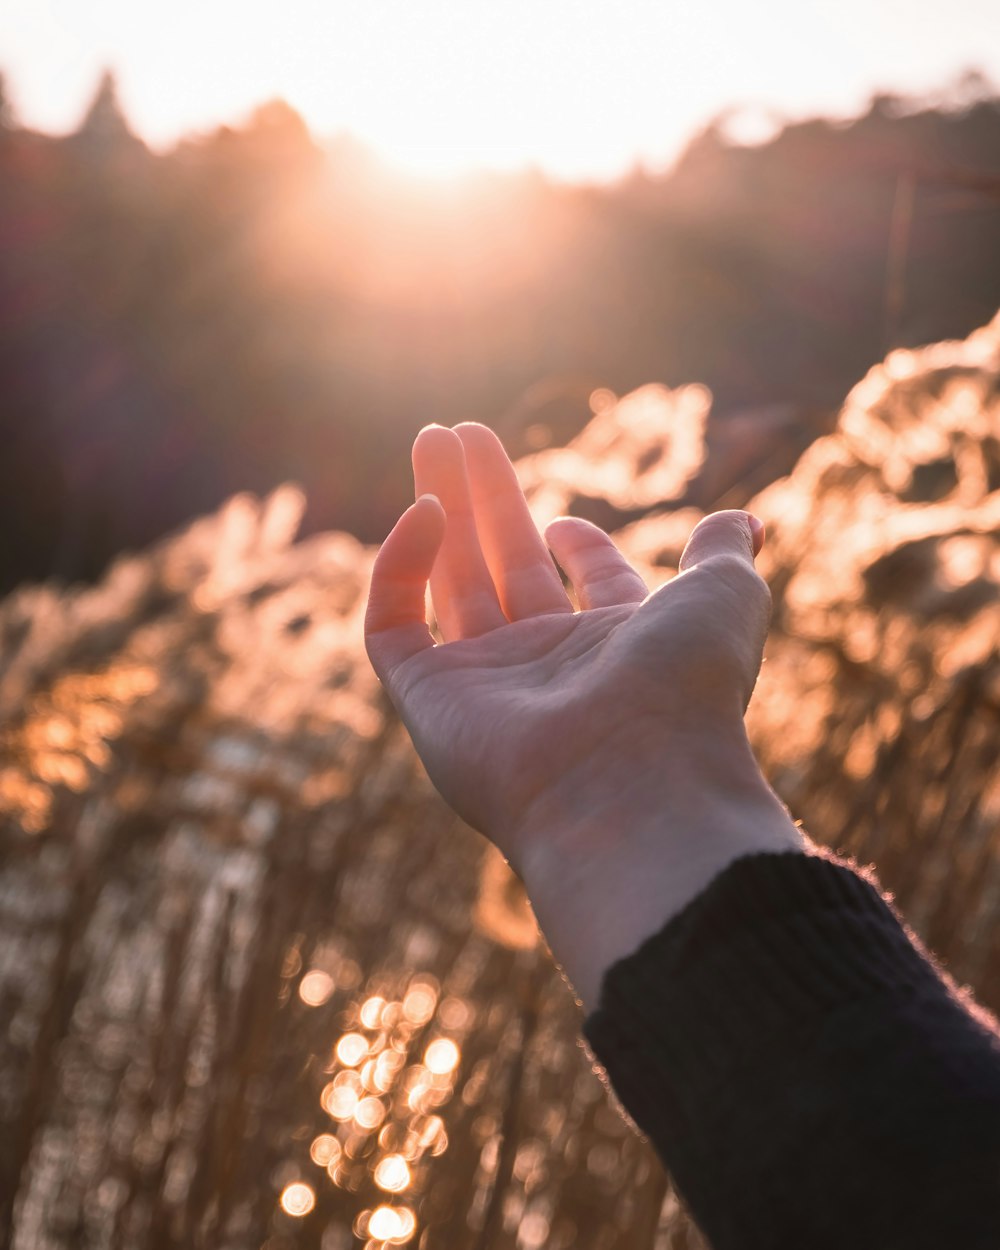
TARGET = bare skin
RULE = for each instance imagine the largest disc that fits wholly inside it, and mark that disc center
(602, 750)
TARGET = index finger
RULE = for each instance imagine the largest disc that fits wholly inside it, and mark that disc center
(396, 619)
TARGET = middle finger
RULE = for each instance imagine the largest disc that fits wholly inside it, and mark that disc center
(465, 600)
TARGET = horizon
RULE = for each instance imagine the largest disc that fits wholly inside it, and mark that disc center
(748, 126)
(580, 98)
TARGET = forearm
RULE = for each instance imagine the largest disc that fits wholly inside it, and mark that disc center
(804, 1071)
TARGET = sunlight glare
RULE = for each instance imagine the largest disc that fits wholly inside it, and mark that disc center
(443, 90)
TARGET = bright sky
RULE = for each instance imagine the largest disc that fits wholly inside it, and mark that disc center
(583, 88)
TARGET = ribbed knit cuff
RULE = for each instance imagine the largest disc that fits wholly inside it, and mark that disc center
(774, 940)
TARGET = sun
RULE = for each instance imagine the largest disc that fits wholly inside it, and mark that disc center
(441, 90)
(425, 148)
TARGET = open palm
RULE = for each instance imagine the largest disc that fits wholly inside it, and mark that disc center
(530, 710)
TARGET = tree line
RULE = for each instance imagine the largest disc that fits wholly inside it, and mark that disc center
(252, 306)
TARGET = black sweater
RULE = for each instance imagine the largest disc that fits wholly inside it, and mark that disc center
(808, 1076)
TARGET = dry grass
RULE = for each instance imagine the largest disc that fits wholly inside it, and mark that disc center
(221, 857)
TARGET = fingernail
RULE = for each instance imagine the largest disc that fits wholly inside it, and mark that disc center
(428, 495)
(756, 528)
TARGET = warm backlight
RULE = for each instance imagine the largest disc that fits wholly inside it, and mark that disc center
(580, 88)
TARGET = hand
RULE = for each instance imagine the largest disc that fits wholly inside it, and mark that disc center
(602, 750)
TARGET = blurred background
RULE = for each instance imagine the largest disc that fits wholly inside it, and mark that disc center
(257, 986)
(207, 287)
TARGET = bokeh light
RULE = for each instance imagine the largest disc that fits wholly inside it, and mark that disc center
(315, 988)
(351, 1049)
(393, 1224)
(392, 1173)
(371, 1011)
(419, 1003)
(324, 1150)
(370, 1112)
(298, 1199)
(442, 1056)
(339, 1101)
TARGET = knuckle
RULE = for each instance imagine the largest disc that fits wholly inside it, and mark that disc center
(737, 574)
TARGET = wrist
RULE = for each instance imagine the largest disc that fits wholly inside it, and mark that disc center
(608, 861)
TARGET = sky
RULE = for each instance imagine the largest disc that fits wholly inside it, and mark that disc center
(584, 89)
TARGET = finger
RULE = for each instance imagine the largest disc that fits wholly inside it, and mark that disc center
(395, 622)
(758, 533)
(465, 600)
(601, 576)
(525, 577)
(730, 533)
(725, 543)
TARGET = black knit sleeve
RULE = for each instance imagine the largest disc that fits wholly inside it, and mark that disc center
(807, 1075)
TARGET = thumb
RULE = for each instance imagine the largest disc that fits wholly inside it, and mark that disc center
(726, 543)
(729, 533)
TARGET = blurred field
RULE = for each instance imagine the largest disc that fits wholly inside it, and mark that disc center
(259, 988)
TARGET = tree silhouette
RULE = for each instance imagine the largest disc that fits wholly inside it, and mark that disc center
(252, 307)
(104, 126)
